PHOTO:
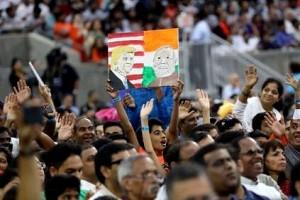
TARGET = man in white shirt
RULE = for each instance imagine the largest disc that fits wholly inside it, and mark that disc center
(251, 156)
(201, 33)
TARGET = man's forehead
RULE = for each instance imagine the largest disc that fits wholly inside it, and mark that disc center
(295, 121)
(120, 155)
(247, 143)
(84, 122)
(216, 155)
(144, 164)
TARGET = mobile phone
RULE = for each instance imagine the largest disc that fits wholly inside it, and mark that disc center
(33, 115)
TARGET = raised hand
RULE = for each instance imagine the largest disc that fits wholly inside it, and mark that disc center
(184, 110)
(129, 101)
(10, 106)
(45, 92)
(251, 77)
(67, 123)
(146, 109)
(111, 91)
(203, 99)
(177, 90)
(277, 127)
(290, 80)
(22, 91)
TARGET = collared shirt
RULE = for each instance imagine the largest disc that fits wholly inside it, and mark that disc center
(249, 196)
(261, 188)
(104, 191)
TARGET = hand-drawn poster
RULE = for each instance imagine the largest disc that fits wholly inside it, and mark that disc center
(143, 59)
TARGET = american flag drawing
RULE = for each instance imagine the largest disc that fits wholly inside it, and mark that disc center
(135, 40)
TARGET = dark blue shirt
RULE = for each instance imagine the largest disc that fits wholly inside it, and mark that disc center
(250, 196)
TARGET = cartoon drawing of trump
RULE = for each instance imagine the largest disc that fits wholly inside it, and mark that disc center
(122, 60)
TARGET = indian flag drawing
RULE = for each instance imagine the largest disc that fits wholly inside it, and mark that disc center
(144, 59)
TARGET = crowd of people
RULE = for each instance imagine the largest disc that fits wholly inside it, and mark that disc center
(251, 151)
(84, 24)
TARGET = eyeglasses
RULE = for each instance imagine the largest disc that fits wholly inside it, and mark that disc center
(253, 152)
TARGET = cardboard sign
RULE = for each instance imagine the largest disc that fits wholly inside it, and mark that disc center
(143, 59)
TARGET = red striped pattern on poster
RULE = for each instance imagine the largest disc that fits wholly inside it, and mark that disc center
(136, 40)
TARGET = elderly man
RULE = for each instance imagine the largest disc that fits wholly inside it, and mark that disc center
(139, 178)
(164, 66)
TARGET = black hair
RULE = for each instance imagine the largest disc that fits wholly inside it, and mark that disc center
(58, 154)
(112, 123)
(272, 146)
(11, 194)
(183, 172)
(226, 124)
(229, 136)
(205, 127)
(117, 136)
(104, 157)
(7, 154)
(257, 133)
(257, 120)
(277, 82)
(8, 175)
(197, 136)
(14, 61)
(101, 142)
(295, 177)
(200, 154)
(152, 122)
(57, 185)
(295, 67)
(106, 198)
(4, 129)
(172, 154)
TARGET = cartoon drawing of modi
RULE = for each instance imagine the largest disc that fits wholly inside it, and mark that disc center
(164, 64)
(122, 60)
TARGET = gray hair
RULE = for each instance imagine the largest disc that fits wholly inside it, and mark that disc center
(126, 166)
